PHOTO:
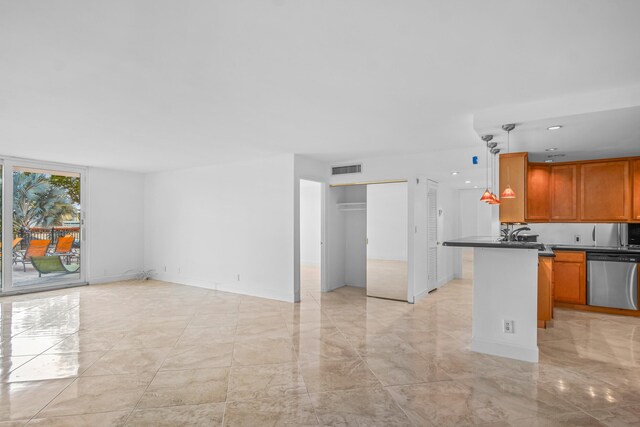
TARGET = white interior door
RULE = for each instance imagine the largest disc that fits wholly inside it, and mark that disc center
(432, 236)
(387, 240)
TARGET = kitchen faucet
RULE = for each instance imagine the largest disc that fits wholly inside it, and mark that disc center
(513, 236)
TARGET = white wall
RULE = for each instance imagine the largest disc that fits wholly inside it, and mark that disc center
(334, 242)
(228, 227)
(346, 238)
(115, 225)
(355, 236)
(448, 214)
(475, 216)
(310, 226)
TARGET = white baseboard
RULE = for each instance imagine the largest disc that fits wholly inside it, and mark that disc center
(421, 295)
(445, 280)
(505, 350)
(234, 287)
(114, 278)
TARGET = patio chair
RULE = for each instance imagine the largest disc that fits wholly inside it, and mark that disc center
(35, 248)
(15, 243)
(64, 245)
(52, 264)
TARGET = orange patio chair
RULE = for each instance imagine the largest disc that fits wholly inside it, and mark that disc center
(64, 245)
(35, 248)
(15, 243)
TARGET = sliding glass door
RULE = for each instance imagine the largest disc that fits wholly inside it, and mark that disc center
(42, 226)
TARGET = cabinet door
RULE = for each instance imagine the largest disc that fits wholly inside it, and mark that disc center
(513, 172)
(564, 192)
(538, 203)
(636, 190)
(569, 277)
(604, 191)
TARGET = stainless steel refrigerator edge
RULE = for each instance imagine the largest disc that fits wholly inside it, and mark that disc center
(615, 234)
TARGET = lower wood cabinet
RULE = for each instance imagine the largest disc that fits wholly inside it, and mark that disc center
(570, 277)
(545, 291)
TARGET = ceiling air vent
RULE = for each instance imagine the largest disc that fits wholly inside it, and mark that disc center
(341, 170)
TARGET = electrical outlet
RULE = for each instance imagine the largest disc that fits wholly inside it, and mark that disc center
(238, 277)
(508, 327)
(577, 238)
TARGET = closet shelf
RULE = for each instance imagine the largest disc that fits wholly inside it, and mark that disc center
(352, 206)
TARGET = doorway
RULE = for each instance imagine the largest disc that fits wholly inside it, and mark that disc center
(310, 239)
(42, 226)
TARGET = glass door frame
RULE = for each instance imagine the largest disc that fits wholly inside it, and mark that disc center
(8, 164)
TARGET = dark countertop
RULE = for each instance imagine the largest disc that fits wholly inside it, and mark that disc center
(492, 242)
(588, 248)
(543, 250)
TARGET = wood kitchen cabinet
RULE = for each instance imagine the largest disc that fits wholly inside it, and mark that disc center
(513, 172)
(569, 277)
(538, 200)
(563, 192)
(635, 188)
(605, 191)
(545, 291)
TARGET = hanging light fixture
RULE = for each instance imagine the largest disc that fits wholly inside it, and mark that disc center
(508, 192)
(486, 196)
(494, 151)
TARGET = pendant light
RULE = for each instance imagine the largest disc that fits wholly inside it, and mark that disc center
(494, 152)
(486, 196)
(508, 192)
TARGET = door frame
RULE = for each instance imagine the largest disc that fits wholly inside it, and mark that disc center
(433, 185)
(323, 237)
(8, 164)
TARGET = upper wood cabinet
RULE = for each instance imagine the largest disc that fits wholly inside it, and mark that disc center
(538, 202)
(635, 188)
(604, 191)
(563, 190)
(513, 172)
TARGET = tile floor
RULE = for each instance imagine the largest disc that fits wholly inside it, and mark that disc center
(152, 353)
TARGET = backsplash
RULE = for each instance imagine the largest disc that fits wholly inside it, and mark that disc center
(563, 233)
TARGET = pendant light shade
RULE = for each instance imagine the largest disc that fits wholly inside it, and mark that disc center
(508, 193)
(486, 196)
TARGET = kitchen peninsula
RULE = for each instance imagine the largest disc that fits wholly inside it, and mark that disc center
(505, 296)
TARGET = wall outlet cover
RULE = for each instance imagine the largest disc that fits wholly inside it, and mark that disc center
(508, 327)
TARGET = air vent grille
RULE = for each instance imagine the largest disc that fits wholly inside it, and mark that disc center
(341, 170)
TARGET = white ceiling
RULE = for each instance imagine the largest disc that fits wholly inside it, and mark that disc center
(156, 84)
(612, 133)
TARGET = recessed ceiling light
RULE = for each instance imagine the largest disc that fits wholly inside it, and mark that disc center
(454, 173)
(548, 161)
(467, 182)
(551, 149)
(556, 127)
(475, 186)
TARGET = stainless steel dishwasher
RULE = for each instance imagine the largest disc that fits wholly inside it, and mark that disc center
(612, 280)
